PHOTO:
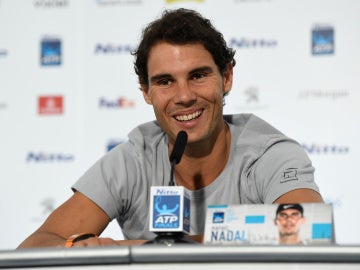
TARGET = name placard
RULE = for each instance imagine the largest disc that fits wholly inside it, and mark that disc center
(274, 224)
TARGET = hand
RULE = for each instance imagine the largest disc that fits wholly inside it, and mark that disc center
(95, 241)
(101, 241)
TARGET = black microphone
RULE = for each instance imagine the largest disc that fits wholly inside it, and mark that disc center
(177, 152)
(170, 205)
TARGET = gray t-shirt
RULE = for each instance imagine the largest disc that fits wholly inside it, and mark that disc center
(263, 165)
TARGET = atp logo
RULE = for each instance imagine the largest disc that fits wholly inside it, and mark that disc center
(51, 51)
(218, 217)
(166, 214)
(323, 40)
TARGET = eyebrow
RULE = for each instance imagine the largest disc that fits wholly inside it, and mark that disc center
(205, 69)
(158, 77)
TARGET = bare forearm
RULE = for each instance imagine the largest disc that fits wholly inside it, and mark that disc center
(43, 239)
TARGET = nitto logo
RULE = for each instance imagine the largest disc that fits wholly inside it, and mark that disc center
(110, 48)
(325, 149)
(252, 43)
(161, 191)
(49, 157)
(121, 102)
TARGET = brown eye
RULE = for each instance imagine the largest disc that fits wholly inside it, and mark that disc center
(197, 76)
(164, 82)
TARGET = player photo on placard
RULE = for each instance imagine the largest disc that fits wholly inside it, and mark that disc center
(275, 224)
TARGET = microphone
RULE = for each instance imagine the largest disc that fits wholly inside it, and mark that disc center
(177, 152)
(170, 205)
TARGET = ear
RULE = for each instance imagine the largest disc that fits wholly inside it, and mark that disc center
(228, 78)
(303, 220)
(145, 90)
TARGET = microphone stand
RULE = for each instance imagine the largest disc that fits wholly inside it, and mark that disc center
(171, 238)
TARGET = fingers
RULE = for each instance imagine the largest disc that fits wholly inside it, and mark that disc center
(95, 241)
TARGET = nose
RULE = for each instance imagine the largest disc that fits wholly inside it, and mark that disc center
(184, 94)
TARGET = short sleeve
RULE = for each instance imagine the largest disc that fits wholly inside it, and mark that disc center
(106, 183)
(284, 166)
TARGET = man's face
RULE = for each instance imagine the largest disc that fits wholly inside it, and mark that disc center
(186, 90)
(289, 221)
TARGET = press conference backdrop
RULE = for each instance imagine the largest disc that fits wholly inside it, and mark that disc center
(68, 92)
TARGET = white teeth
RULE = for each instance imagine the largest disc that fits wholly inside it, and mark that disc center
(188, 117)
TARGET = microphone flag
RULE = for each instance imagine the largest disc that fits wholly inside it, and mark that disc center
(169, 209)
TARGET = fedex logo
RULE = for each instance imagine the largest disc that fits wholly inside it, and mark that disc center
(50, 105)
(121, 102)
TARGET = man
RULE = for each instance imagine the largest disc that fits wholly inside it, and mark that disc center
(185, 69)
(289, 218)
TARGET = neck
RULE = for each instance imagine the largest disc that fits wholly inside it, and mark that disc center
(203, 162)
(289, 239)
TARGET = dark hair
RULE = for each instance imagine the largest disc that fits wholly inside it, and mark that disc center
(295, 206)
(182, 26)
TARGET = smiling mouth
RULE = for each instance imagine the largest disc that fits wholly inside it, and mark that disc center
(188, 117)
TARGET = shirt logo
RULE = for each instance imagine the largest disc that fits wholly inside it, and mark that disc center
(289, 174)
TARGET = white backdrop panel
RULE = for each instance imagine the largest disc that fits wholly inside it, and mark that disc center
(312, 98)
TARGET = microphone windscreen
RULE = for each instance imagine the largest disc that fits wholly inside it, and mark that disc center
(179, 147)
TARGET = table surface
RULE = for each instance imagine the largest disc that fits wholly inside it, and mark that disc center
(185, 255)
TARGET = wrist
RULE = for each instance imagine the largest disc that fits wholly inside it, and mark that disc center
(77, 237)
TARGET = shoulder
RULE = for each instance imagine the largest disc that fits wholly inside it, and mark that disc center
(143, 140)
(254, 134)
(147, 134)
(251, 123)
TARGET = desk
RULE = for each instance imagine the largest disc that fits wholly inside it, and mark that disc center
(185, 257)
